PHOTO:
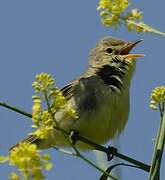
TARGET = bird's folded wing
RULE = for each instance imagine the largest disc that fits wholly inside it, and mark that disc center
(68, 90)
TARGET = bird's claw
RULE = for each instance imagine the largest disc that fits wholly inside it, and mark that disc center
(111, 151)
(74, 136)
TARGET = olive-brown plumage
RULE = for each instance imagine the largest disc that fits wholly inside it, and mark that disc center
(100, 96)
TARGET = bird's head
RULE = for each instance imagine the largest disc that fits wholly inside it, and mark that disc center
(113, 51)
(111, 57)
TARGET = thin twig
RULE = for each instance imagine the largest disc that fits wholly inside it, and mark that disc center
(13, 108)
(92, 164)
(143, 166)
(79, 155)
(121, 156)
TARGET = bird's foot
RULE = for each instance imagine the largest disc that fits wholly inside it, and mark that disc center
(74, 136)
(111, 152)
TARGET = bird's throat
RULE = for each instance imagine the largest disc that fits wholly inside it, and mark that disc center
(112, 77)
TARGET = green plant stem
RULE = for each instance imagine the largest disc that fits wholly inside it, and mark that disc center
(121, 156)
(96, 167)
(158, 151)
(13, 108)
(145, 27)
(141, 165)
(79, 155)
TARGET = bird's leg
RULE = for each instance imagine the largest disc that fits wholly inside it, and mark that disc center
(111, 151)
(74, 136)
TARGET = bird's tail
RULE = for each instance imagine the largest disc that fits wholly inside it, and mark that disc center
(30, 139)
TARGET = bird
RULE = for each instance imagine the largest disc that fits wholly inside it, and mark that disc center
(100, 96)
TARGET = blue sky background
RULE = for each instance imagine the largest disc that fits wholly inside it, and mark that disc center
(55, 37)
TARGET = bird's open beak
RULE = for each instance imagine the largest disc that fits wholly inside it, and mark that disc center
(124, 52)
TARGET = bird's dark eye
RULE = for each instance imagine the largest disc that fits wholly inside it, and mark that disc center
(109, 50)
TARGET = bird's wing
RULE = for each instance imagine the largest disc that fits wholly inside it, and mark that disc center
(30, 139)
(68, 90)
(68, 93)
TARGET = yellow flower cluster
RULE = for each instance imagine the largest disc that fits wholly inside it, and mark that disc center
(131, 20)
(60, 102)
(43, 125)
(43, 82)
(111, 10)
(46, 101)
(46, 93)
(158, 97)
(112, 14)
(29, 161)
(114, 6)
(36, 109)
(42, 119)
(14, 176)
